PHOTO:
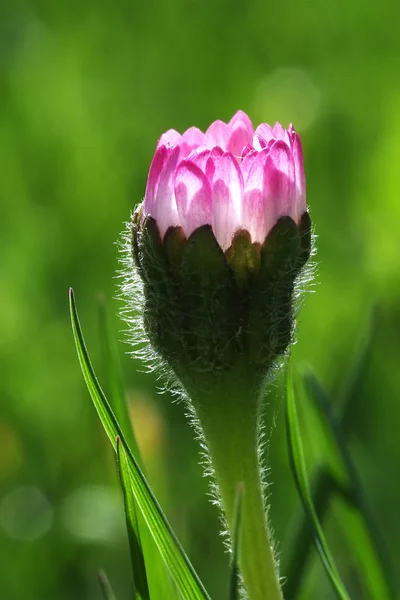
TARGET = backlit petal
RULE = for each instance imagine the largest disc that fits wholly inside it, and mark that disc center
(165, 211)
(217, 135)
(280, 189)
(156, 166)
(193, 197)
(170, 138)
(297, 150)
(227, 194)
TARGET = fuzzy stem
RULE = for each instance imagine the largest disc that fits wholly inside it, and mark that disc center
(229, 419)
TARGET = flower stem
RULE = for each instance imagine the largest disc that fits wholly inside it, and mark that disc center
(229, 422)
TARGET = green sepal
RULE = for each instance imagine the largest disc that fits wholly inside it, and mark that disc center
(270, 321)
(305, 238)
(206, 310)
(210, 303)
(136, 218)
(244, 259)
(174, 245)
(162, 309)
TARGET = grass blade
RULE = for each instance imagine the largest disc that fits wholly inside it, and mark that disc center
(105, 587)
(235, 579)
(371, 552)
(112, 368)
(158, 578)
(334, 479)
(141, 588)
(113, 371)
(298, 466)
(324, 488)
(178, 564)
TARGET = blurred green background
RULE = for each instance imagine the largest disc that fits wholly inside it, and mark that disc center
(86, 90)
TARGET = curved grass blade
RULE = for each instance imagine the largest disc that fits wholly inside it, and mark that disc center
(112, 368)
(298, 466)
(349, 383)
(105, 587)
(113, 371)
(235, 579)
(324, 488)
(327, 486)
(158, 578)
(141, 588)
(371, 552)
(178, 564)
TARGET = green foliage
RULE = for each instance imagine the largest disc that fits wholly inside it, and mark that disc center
(338, 482)
(297, 462)
(154, 576)
(105, 587)
(362, 532)
(141, 589)
(113, 373)
(175, 559)
(87, 89)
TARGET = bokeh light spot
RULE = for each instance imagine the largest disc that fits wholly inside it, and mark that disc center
(25, 514)
(93, 513)
(287, 96)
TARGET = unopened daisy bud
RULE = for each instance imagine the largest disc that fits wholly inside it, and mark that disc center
(219, 243)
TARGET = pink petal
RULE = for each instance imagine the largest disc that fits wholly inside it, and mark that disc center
(165, 211)
(210, 166)
(227, 199)
(259, 142)
(297, 150)
(253, 218)
(193, 138)
(170, 138)
(262, 144)
(247, 163)
(247, 148)
(291, 134)
(253, 215)
(193, 197)
(254, 164)
(241, 133)
(200, 157)
(217, 135)
(269, 189)
(281, 133)
(239, 138)
(156, 166)
(279, 198)
(262, 134)
(205, 159)
(243, 119)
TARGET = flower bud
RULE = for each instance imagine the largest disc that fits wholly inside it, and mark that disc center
(219, 242)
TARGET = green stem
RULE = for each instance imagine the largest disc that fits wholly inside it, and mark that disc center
(229, 421)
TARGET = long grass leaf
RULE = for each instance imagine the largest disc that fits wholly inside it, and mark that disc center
(112, 367)
(178, 564)
(105, 587)
(298, 466)
(158, 578)
(332, 479)
(138, 564)
(371, 552)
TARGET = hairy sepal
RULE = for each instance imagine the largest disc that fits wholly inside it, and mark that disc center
(210, 304)
(207, 312)
(271, 301)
